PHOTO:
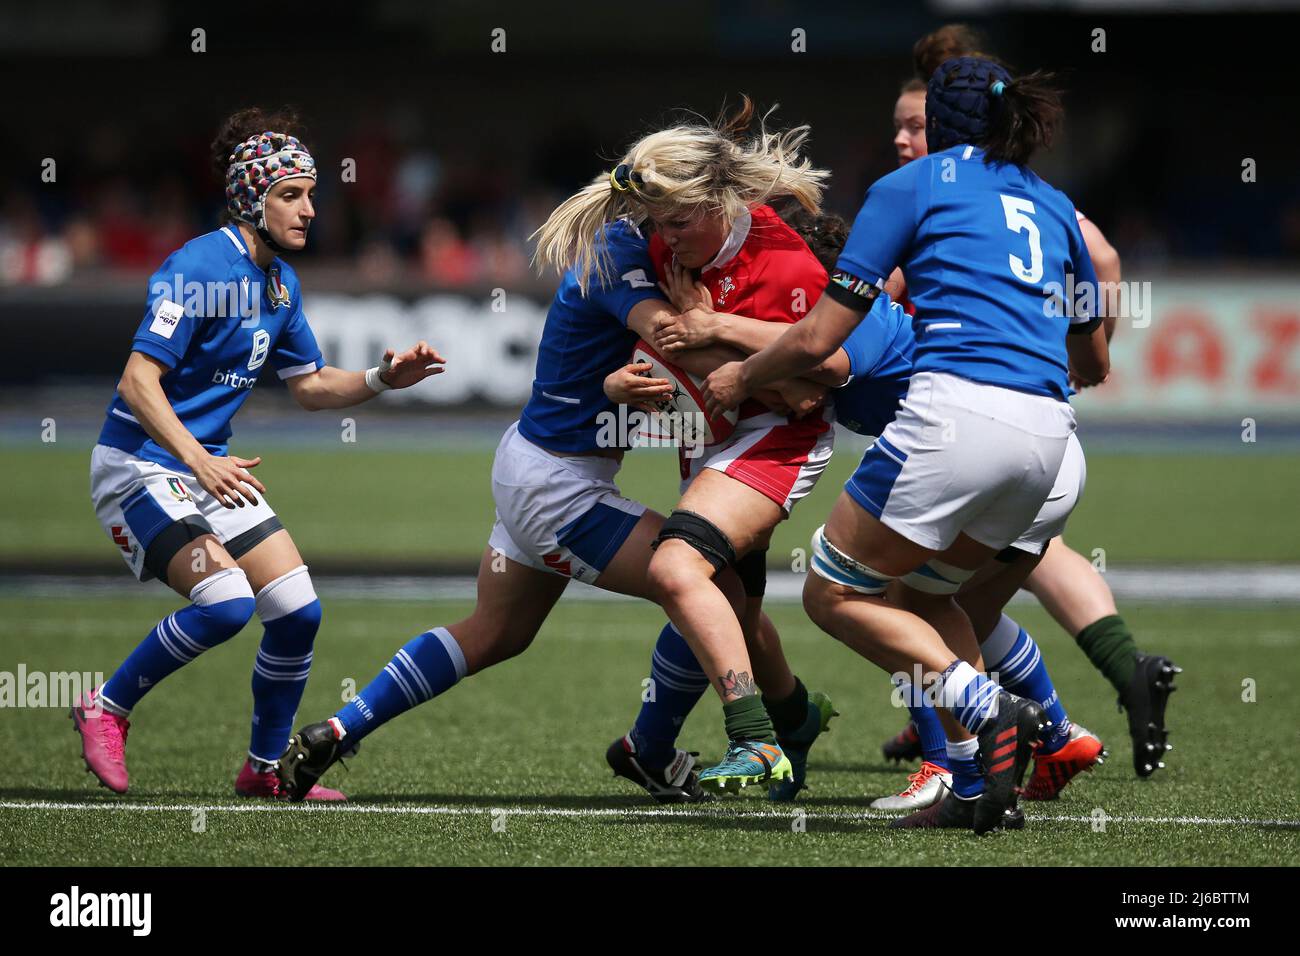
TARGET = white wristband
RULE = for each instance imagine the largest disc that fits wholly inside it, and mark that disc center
(373, 381)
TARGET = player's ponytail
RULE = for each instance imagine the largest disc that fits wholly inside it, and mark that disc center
(1025, 115)
(719, 168)
(572, 236)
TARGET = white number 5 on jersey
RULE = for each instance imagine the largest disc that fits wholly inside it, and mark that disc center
(636, 279)
(1018, 212)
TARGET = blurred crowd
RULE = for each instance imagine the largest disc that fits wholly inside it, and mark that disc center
(459, 216)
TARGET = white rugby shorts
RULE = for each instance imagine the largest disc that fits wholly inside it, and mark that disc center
(136, 499)
(562, 514)
(963, 457)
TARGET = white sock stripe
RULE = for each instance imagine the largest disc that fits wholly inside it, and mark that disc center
(1018, 657)
(291, 591)
(453, 651)
(166, 641)
(391, 671)
(674, 685)
(1024, 670)
(280, 677)
(227, 584)
(675, 670)
(278, 659)
(414, 673)
(183, 640)
(183, 647)
(175, 625)
(399, 678)
(983, 695)
(976, 701)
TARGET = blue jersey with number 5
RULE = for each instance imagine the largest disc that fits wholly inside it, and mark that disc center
(986, 250)
(214, 318)
(585, 339)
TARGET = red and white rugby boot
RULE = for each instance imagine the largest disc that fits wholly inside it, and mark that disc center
(925, 787)
(103, 741)
(252, 783)
(1053, 771)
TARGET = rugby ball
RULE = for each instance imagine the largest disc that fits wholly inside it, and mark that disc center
(681, 414)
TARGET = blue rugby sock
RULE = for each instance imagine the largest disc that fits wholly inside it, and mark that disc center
(223, 603)
(291, 615)
(425, 667)
(971, 696)
(1011, 654)
(676, 684)
(934, 743)
(967, 779)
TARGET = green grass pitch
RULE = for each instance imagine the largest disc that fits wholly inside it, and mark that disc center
(526, 740)
(358, 504)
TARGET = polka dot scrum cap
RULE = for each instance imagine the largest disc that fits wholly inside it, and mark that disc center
(257, 164)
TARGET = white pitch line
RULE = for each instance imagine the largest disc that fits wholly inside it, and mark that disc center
(592, 812)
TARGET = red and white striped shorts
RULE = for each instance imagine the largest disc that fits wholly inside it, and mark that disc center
(779, 457)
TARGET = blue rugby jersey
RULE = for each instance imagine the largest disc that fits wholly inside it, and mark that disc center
(214, 318)
(987, 250)
(880, 363)
(585, 339)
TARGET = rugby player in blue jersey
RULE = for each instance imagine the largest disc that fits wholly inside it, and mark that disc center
(974, 451)
(1063, 580)
(178, 505)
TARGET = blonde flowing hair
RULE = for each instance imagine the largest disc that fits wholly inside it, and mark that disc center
(679, 173)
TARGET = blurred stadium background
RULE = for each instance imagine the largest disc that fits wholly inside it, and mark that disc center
(460, 153)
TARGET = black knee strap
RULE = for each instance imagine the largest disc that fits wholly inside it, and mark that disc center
(701, 534)
(752, 570)
(170, 540)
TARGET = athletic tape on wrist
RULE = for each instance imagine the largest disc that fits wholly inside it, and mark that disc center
(373, 381)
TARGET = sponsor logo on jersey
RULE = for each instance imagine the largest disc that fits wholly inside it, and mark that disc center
(166, 317)
(261, 345)
(233, 379)
(178, 489)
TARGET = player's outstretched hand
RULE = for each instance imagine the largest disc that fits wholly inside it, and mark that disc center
(723, 390)
(631, 386)
(693, 329)
(227, 479)
(412, 366)
(683, 291)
